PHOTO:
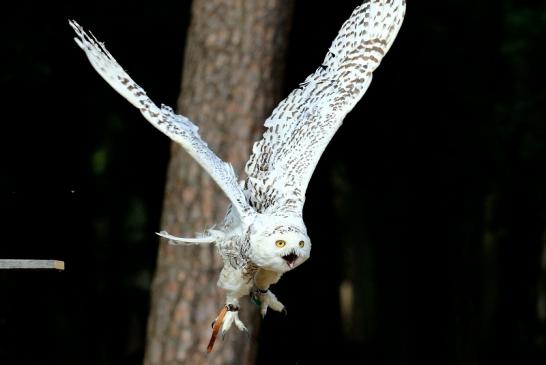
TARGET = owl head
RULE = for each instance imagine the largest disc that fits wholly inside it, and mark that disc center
(279, 244)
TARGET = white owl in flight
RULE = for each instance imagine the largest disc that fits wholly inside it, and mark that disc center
(263, 234)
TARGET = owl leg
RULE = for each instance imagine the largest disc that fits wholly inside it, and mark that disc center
(226, 318)
(232, 316)
(262, 296)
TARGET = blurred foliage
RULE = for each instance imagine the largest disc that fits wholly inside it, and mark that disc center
(430, 202)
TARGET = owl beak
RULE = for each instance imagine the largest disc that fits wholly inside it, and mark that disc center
(290, 259)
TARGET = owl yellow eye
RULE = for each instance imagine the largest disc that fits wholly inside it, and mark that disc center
(302, 244)
(280, 243)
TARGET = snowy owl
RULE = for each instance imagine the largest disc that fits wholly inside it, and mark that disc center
(263, 234)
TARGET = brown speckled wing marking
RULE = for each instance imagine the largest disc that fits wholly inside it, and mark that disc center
(303, 124)
(179, 128)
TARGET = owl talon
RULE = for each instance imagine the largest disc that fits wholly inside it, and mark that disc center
(267, 299)
(227, 316)
(284, 311)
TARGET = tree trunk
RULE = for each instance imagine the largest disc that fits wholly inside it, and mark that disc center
(231, 82)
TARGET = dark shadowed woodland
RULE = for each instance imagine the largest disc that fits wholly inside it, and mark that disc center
(427, 211)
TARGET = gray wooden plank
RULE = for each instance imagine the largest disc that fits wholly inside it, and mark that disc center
(16, 264)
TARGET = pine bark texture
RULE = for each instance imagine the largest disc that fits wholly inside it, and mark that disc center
(231, 81)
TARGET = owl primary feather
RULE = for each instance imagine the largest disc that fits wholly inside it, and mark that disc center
(263, 234)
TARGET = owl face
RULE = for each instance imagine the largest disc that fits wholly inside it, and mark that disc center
(279, 247)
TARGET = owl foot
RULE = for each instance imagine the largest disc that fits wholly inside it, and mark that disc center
(227, 316)
(266, 299)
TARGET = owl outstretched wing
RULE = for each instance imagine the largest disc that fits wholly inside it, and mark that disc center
(302, 125)
(179, 128)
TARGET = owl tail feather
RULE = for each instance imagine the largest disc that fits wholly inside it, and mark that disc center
(187, 241)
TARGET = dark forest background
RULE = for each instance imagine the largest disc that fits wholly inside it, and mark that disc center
(429, 205)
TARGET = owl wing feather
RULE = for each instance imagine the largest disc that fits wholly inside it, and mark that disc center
(179, 128)
(302, 125)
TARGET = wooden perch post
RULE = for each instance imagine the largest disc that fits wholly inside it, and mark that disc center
(32, 265)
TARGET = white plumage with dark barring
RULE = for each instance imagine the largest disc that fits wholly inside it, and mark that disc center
(263, 234)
